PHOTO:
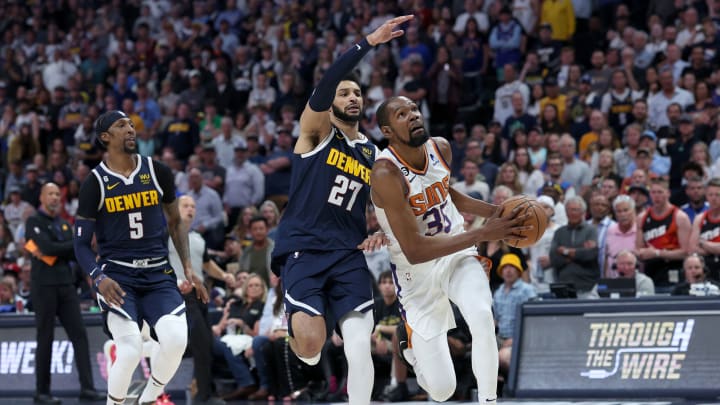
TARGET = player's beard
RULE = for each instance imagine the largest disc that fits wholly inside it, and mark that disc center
(342, 116)
(130, 150)
(416, 141)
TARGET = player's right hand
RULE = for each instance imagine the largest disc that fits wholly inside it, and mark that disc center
(111, 292)
(508, 227)
(387, 31)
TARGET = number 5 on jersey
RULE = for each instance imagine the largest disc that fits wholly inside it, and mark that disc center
(136, 226)
(344, 189)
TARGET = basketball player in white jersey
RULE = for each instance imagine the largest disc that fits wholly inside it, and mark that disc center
(434, 259)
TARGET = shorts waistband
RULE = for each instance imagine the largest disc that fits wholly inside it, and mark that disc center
(142, 263)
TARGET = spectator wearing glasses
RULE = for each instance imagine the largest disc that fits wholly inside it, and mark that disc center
(626, 266)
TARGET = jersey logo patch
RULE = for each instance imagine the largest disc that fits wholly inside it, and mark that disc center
(145, 178)
(110, 187)
(405, 170)
(367, 151)
(168, 271)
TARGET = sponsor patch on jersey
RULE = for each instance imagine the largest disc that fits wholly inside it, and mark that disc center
(145, 178)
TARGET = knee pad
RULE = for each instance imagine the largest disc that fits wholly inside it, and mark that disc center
(172, 333)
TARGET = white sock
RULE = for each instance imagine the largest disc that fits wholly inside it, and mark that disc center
(356, 329)
(172, 334)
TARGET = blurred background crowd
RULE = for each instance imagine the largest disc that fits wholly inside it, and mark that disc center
(606, 110)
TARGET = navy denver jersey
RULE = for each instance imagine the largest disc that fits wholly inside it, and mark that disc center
(129, 219)
(329, 189)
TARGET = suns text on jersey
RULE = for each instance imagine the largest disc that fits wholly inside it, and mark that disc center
(132, 201)
(433, 195)
(349, 165)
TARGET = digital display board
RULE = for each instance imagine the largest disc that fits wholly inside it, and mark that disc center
(617, 348)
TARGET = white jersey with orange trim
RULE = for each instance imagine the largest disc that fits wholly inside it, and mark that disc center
(422, 288)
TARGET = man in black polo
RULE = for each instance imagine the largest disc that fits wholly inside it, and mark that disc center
(50, 240)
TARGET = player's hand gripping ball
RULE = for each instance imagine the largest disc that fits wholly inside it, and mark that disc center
(537, 219)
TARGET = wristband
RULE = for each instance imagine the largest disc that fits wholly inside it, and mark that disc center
(97, 280)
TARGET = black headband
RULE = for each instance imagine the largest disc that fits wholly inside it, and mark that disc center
(106, 120)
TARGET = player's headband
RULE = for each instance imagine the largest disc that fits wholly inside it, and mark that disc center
(104, 121)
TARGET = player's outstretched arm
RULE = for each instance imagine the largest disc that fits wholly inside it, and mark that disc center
(462, 201)
(388, 193)
(315, 120)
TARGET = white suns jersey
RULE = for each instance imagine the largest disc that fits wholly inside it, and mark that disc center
(428, 197)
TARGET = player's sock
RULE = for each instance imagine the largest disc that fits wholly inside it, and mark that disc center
(356, 329)
(115, 401)
(172, 333)
(152, 390)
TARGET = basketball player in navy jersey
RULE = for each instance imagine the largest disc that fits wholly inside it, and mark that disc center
(122, 204)
(324, 273)
(434, 259)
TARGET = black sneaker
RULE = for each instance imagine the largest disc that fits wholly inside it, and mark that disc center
(405, 352)
(397, 393)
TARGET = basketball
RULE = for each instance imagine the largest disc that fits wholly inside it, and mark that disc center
(538, 220)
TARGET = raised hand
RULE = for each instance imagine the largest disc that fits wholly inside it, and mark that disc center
(387, 31)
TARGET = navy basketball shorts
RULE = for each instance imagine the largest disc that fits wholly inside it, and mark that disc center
(327, 283)
(150, 293)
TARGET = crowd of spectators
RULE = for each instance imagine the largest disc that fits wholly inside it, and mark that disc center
(607, 110)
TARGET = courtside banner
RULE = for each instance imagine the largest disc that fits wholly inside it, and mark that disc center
(643, 348)
(17, 359)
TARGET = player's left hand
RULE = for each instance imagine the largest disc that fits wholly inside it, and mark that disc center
(388, 30)
(374, 242)
(200, 290)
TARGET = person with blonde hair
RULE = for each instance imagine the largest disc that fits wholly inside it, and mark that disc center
(270, 211)
(508, 175)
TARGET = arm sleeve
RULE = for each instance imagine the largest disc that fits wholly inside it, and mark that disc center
(89, 198)
(166, 181)
(323, 95)
(84, 230)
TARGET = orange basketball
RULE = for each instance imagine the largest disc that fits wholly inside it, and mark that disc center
(538, 220)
